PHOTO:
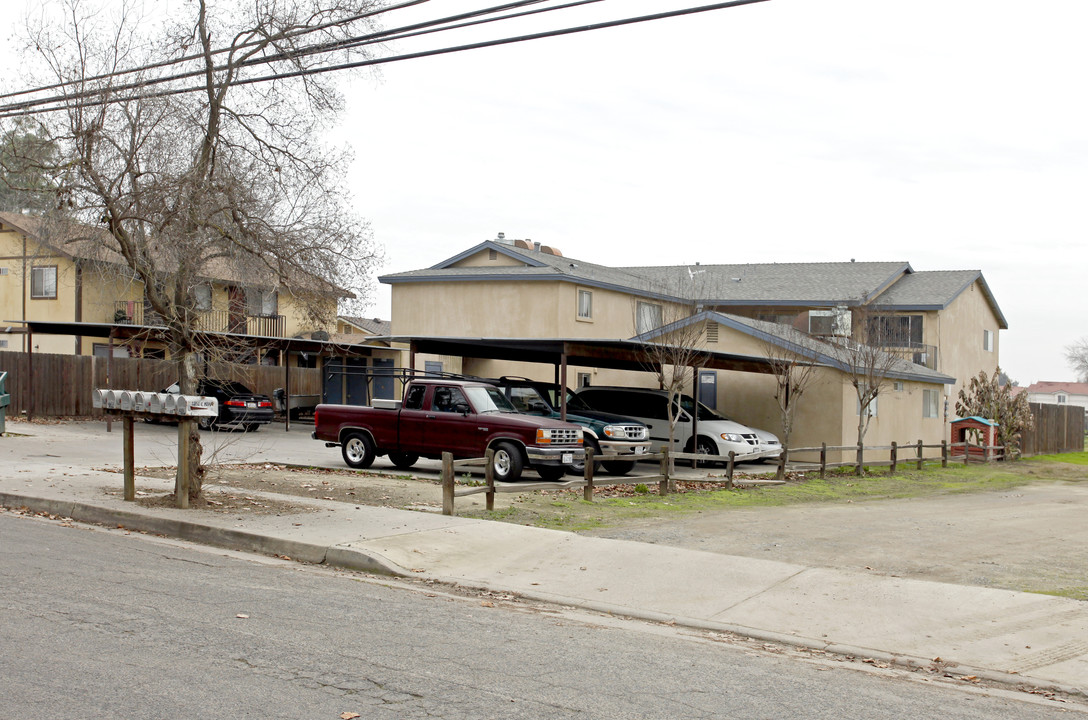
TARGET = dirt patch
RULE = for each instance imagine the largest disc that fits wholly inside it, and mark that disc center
(228, 503)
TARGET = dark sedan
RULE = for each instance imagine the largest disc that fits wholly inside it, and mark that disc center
(238, 405)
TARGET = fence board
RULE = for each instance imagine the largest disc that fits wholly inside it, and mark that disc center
(1058, 428)
(63, 383)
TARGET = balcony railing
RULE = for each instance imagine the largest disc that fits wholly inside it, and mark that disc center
(917, 353)
(135, 313)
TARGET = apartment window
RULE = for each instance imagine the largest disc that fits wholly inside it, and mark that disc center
(43, 282)
(931, 403)
(988, 340)
(897, 386)
(585, 305)
(829, 322)
(584, 379)
(262, 303)
(3, 343)
(896, 330)
(203, 296)
(871, 409)
(648, 317)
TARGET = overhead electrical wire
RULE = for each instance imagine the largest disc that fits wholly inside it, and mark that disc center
(34, 107)
(408, 31)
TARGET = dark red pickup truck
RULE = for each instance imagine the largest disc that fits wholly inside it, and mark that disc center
(457, 416)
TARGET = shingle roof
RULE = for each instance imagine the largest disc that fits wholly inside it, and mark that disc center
(825, 284)
(374, 326)
(1072, 388)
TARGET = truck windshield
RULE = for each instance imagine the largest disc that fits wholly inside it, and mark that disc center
(488, 399)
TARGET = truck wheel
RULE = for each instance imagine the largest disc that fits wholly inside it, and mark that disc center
(357, 450)
(619, 467)
(508, 462)
(578, 467)
(552, 473)
(403, 460)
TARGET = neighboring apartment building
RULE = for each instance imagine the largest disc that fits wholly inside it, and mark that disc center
(944, 325)
(59, 282)
(1059, 393)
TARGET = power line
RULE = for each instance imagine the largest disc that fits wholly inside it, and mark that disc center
(356, 41)
(18, 110)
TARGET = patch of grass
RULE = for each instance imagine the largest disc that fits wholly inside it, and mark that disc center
(1073, 593)
(564, 509)
(1076, 458)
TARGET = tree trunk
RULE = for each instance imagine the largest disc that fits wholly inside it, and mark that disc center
(189, 462)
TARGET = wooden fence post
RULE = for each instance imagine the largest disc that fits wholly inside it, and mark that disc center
(921, 455)
(587, 490)
(185, 428)
(894, 457)
(663, 484)
(823, 460)
(447, 483)
(861, 459)
(781, 474)
(489, 478)
(944, 453)
(966, 452)
(730, 465)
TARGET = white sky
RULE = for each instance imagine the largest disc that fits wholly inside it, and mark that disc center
(952, 134)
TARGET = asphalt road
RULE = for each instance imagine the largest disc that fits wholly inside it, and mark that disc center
(103, 624)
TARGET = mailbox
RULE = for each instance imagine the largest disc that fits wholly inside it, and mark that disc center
(125, 400)
(170, 404)
(156, 403)
(96, 398)
(197, 406)
(141, 401)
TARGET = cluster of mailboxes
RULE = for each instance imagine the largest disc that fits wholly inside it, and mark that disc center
(155, 403)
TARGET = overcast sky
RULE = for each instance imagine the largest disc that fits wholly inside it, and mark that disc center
(950, 134)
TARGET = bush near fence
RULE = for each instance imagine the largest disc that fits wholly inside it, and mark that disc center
(63, 383)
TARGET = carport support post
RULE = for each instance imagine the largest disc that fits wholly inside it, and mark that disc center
(129, 452)
(286, 390)
(562, 391)
(447, 483)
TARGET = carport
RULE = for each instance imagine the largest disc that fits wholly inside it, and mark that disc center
(561, 353)
(123, 332)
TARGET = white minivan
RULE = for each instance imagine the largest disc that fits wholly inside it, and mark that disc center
(717, 435)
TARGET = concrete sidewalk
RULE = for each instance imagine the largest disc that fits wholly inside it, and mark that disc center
(996, 634)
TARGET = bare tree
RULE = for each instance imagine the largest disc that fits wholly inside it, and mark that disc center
(862, 352)
(674, 337)
(1077, 357)
(791, 370)
(230, 181)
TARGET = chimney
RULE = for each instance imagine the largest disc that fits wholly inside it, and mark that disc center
(536, 245)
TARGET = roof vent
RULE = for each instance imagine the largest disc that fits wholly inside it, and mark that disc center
(501, 239)
(536, 245)
(523, 244)
(550, 251)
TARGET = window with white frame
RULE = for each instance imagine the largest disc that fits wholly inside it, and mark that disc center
(585, 304)
(870, 409)
(648, 317)
(988, 340)
(43, 282)
(584, 379)
(931, 403)
(1062, 399)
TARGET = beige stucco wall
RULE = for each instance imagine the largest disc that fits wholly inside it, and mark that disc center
(960, 329)
(493, 309)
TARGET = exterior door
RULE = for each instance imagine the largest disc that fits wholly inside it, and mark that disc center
(382, 382)
(708, 388)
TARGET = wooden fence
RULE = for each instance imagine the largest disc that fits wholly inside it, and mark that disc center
(914, 454)
(1058, 429)
(62, 383)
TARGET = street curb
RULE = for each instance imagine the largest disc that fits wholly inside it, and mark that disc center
(354, 559)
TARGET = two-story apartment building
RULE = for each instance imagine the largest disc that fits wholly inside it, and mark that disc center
(69, 282)
(944, 325)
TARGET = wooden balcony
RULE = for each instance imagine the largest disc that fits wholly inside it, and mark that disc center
(127, 312)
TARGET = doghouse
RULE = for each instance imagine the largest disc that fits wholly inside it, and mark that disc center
(980, 432)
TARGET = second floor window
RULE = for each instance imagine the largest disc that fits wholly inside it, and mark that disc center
(988, 340)
(585, 305)
(203, 296)
(43, 282)
(648, 317)
(261, 303)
